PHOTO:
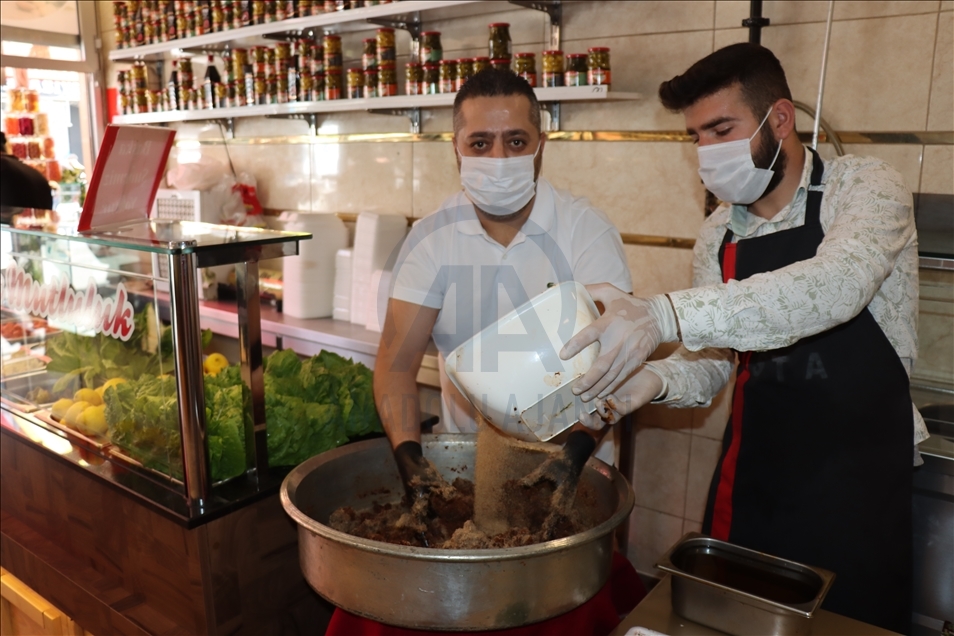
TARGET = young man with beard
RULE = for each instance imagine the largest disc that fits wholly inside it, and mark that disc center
(809, 275)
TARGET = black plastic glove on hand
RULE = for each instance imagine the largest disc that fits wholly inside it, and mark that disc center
(563, 470)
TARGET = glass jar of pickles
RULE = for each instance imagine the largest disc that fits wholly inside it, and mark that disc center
(432, 80)
(465, 70)
(387, 80)
(371, 82)
(333, 83)
(386, 50)
(355, 84)
(414, 78)
(448, 76)
(480, 63)
(598, 66)
(525, 65)
(332, 51)
(499, 45)
(431, 49)
(575, 70)
(552, 69)
(369, 53)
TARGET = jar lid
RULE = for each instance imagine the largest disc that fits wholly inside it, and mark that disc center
(493, 25)
(413, 63)
(430, 32)
(372, 71)
(330, 36)
(499, 60)
(556, 52)
(370, 40)
(576, 54)
(448, 62)
(524, 55)
(386, 65)
(598, 49)
(466, 60)
(385, 30)
(481, 59)
(430, 65)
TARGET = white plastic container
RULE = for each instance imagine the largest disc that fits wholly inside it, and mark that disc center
(512, 372)
(308, 280)
(342, 302)
(376, 238)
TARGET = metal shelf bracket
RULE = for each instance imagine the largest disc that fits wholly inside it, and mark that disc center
(413, 114)
(410, 23)
(554, 9)
(311, 118)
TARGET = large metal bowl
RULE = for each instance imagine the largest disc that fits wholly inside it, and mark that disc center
(440, 589)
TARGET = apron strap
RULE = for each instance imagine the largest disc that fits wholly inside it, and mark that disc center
(816, 190)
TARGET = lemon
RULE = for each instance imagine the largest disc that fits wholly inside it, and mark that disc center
(72, 415)
(93, 420)
(60, 407)
(215, 363)
(112, 382)
(88, 395)
(100, 391)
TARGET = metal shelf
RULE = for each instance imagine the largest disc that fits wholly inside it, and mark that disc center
(341, 21)
(398, 102)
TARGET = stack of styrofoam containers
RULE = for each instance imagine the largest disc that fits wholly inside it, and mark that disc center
(342, 303)
(377, 237)
(378, 294)
(308, 280)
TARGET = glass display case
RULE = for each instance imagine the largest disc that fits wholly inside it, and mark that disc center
(89, 365)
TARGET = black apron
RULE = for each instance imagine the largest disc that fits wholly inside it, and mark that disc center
(816, 461)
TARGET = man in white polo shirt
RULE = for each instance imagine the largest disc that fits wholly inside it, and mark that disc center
(501, 241)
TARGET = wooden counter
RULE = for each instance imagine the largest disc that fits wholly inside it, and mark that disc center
(117, 565)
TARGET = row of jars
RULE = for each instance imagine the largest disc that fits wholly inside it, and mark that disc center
(140, 22)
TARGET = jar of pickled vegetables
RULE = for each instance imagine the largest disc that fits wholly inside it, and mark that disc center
(414, 78)
(17, 100)
(332, 52)
(369, 53)
(431, 49)
(432, 79)
(598, 66)
(387, 80)
(525, 65)
(465, 70)
(371, 82)
(480, 63)
(575, 70)
(32, 101)
(499, 45)
(333, 84)
(386, 50)
(448, 76)
(355, 83)
(552, 69)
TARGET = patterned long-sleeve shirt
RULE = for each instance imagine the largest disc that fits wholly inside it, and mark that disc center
(868, 258)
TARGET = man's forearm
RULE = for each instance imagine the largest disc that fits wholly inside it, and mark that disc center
(396, 397)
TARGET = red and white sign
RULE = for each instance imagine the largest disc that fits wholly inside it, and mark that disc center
(126, 176)
(57, 300)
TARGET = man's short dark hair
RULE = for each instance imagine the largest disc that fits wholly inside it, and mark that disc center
(752, 66)
(492, 82)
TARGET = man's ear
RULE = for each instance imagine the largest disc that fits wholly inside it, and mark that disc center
(783, 118)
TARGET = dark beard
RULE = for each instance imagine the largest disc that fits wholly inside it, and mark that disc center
(762, 158)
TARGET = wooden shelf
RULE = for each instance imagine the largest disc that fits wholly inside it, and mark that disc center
(340, 21)
(398, 102)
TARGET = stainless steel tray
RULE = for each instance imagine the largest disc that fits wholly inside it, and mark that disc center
(741, 591)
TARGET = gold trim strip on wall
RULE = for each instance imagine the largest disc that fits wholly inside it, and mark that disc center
(628, 239)
(927, 138)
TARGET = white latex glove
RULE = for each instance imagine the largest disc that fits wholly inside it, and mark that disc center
(629, 331)
(638, 390)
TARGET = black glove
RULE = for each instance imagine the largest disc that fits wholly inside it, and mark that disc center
(410, 462)
(578, 448)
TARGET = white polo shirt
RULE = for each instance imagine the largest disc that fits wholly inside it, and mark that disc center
(448, 262)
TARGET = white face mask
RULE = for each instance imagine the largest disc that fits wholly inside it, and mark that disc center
(498, 187)
(729, 173)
